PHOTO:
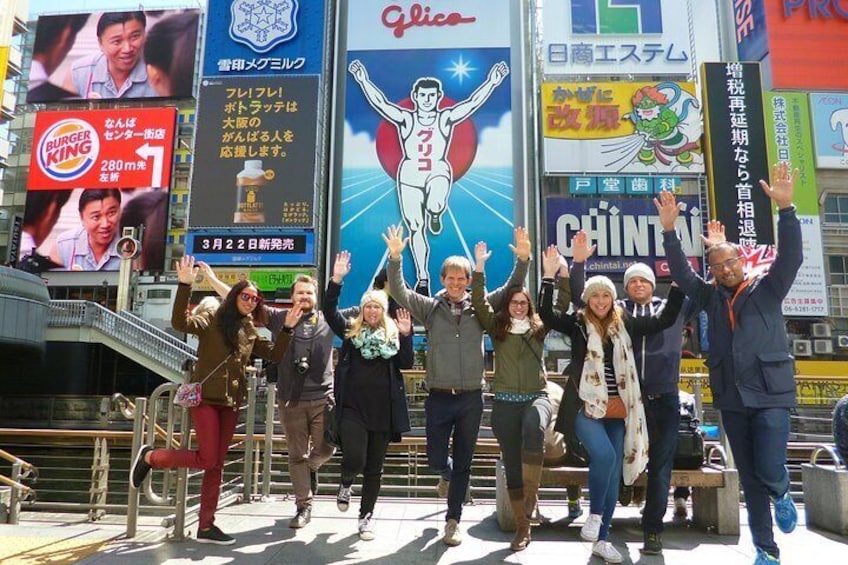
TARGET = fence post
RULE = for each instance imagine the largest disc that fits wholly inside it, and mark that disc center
(15, 495)
(132, 492)
(270, 404)
(182, 479)
(250, 426)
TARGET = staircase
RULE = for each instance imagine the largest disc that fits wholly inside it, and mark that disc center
(126, 333)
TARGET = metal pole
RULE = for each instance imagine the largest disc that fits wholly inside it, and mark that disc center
(132, 493)
(182, 480)
(15, 494)
(270, 404)
(250, 426)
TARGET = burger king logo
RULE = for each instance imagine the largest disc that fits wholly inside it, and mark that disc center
(68, 149)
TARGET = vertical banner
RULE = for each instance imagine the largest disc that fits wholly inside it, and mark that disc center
(254, 154)
(733, 102)
(751, 34)
(428, 136)
(830, 126)
(259, 37)
(789, 139)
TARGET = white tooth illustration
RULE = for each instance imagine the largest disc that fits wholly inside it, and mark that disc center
(839, 119)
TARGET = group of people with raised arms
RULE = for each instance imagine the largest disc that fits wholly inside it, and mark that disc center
(619, 407)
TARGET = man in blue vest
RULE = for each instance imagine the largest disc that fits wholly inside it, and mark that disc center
(752, 373)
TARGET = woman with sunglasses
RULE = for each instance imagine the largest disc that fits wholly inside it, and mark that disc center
(521, 410)
(227, 338)
(369, 388)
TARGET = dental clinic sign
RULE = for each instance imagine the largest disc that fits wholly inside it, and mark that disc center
(621, 36)
(829, 113)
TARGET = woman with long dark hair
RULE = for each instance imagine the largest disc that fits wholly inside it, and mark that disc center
(607, 416)
(369, 388)
(521, 410)
(227, 338)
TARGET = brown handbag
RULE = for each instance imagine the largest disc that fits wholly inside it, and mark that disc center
(616, 409)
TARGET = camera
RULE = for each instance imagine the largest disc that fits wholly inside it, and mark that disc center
(301, 365)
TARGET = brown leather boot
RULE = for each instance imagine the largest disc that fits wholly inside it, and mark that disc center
(522, 524)
(531, 473)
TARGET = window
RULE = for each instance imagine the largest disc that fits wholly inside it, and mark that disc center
(836, 209)
(838, 269)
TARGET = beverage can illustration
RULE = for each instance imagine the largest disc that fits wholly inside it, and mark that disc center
(250, 183)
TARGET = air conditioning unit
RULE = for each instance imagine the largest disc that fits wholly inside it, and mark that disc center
(802, 347)
(842, 341)
(823, 346)
(821, 330)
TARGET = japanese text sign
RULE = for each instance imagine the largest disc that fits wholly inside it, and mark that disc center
(735, 140)
(614, 127)
(255, 153)
(115, 148)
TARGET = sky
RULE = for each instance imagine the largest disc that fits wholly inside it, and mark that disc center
(37, 7)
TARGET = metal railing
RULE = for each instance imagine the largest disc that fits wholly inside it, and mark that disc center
(19, 492)
(125, 328)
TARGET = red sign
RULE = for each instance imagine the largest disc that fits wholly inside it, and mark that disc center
(116, 148)
(807, 42)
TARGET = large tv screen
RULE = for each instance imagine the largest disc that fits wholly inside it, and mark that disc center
(108, 55)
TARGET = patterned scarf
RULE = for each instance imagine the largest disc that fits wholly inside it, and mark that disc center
(373, 343)
(593, 392)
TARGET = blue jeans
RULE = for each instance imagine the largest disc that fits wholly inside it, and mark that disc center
(758, 438)
(662, 414)
(604, 441)
(458, 415)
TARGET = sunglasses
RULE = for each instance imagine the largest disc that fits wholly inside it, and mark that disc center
(249, 297)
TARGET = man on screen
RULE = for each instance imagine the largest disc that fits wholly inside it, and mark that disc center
(54, 37)
(92, 247)
(118, 71)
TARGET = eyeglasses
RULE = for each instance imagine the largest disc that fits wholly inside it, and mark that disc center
(249, 297)
(729, 264)
(519, 303)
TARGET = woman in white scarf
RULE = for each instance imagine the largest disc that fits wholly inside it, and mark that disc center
(605, 375)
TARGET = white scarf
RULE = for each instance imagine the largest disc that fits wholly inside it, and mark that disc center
(593, 392)
(520, 327)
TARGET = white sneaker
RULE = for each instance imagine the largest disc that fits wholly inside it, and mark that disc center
(343, 498)
(591, 528)
(453, 535)
(680, 508)
(443, 487)
(366, 528)
(606, 551)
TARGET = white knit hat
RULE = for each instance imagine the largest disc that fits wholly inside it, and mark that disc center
(640, 270)
(378, 296)
(595, 284)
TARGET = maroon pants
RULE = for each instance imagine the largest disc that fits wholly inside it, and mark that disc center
(215, 426)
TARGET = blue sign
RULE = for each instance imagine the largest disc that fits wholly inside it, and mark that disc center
(278, 247)
(611, 185)
(669, 184)
(751, 36)
(602, 17)
(639, 185)
(264, 37)
(583, 185)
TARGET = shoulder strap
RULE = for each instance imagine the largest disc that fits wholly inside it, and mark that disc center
(213, 371)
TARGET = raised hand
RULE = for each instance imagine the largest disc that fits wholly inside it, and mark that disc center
(550, 262)
(783, 188)
(403, 321)
(186, 269)
(521, 246)
(395, 241)
(293, 316)
(481, 255)
(580, 247)
(357, 69)
(715, 234)
(498, 73)
(341, 267)
(667, 209)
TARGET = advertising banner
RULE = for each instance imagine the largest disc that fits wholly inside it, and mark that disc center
(733, 100)
(258, 37)
(633, 127)
(78, 229)
(254, 154)
(428, 137)
(789, 139)
(625, 231)
(251, 248)
(602, 37)
(830, 129)
(267, 280)
(807, 42)
(115, 148)
(749, 16)
(127, 55)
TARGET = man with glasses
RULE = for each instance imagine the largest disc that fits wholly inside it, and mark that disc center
(752, 373)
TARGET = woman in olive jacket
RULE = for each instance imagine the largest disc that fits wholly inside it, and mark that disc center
(370, 395)
(226, 340)
(521, 411)
(602, 375)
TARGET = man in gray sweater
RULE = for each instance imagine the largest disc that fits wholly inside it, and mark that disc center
(454, 364)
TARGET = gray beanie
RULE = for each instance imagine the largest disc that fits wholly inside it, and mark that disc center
(595, 284)
(640, 270)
